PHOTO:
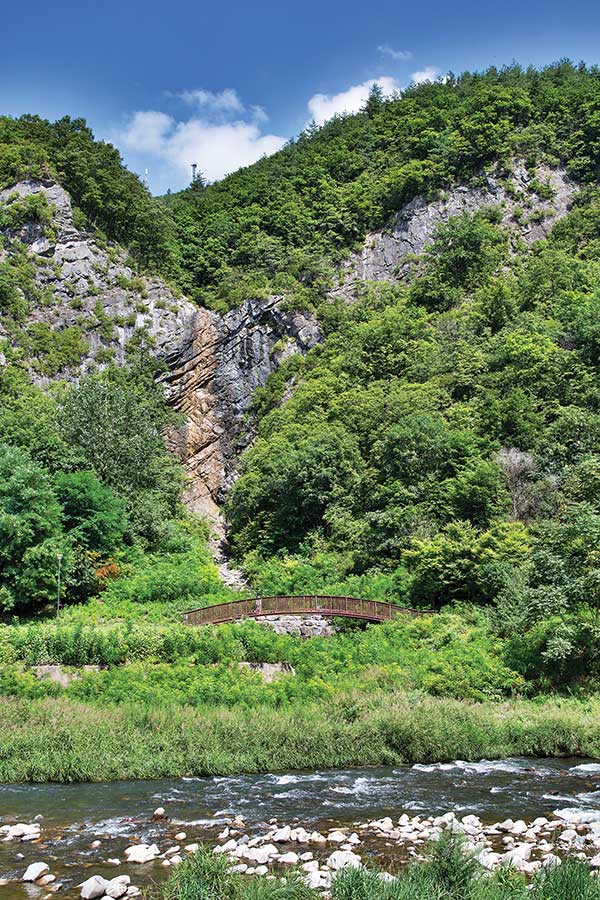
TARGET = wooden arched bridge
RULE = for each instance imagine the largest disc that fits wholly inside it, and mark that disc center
(257, 607)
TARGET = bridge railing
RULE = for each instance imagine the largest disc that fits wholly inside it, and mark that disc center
(352, 607)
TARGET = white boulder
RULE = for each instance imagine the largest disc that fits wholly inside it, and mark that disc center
(117, 887)
(35, 871)
(142, 853)
(93, 887)
(342, 859)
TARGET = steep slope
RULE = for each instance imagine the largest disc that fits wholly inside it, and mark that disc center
(527, 215)
(83, 307)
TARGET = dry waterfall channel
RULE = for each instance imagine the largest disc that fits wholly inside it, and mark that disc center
(113, 839)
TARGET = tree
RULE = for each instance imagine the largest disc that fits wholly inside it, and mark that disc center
(29, 531)
(91, 514)
(518, 469)
(112, 430)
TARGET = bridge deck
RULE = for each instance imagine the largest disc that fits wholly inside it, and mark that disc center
(254, 608)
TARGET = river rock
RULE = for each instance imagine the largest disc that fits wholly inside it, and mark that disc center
(180, 836)
(316, 881)
(290, 858)
(568, 836)
(342, 859)
(21, 831)
(337, 837)
(117, 887)
(159, 813)
(92, 888)
(225, 848)
(142, 853)
(35, 871)
(261, 855)
(311, 866)
(282, 835)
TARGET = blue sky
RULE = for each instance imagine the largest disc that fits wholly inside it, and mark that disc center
(173, 83)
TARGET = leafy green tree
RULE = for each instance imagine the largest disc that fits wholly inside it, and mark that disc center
(91, 514)
(29, 531)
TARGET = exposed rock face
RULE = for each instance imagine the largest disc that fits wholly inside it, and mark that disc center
(300, 626)
(211, 379)
(94, 289)
(213, 362)
(384, 253)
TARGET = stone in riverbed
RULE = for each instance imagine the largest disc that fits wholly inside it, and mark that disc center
(342, 859)
(35, 871)
(290, 859)
(159, 813)
(92, 888)
(337, 837)
(224, 848)
(21, 832)
(282, 835)
(262, 855)
(117, 887)
(142, 853)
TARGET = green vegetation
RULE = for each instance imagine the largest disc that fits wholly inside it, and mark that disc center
(440, 448)
(85, 473)
(280, 225)
(57, 739)
(107, 196)
(448, 874)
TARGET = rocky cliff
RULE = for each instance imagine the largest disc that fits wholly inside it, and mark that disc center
(84, 295)
(86, 290)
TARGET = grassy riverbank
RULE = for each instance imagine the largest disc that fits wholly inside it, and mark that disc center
(448, 875)
(56, 739)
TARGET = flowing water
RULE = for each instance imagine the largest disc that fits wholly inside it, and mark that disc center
(119, 813)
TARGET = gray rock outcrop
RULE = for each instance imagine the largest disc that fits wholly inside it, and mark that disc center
(385, 253)
(212, 363)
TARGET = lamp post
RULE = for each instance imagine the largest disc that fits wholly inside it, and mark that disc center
(59, 557)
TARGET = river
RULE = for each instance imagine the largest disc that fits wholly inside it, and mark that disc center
(119, 813)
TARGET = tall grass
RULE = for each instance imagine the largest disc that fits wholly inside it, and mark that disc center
(449, 874)
(61, 740)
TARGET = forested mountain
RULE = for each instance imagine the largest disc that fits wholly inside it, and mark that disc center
(440, 443)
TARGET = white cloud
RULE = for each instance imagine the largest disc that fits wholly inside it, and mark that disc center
(429, 73)
(324, 106)
(226, 101)
(218, 148)
(398, 55)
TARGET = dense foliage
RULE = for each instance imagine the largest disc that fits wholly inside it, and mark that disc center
(278, 226)
(84, 473)
(442, 445)
(107, 196)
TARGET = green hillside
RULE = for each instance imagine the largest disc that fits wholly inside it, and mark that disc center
(440, 447)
